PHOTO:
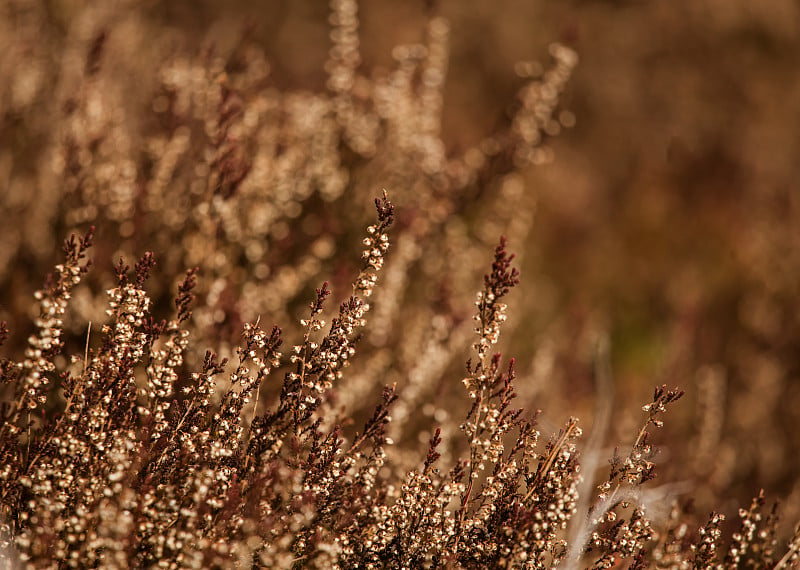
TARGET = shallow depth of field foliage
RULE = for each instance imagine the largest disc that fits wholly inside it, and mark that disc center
(267, 304)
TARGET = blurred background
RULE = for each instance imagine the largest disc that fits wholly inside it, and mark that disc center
(667, 221)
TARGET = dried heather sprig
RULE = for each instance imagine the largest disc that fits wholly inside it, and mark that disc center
(164, 362)
(762, 550)
(705, 551)
(317, 364)
(552, 495)
(638, 467)
(747, 537)
(621, 490)
(491, 312)
(375, 246)
(48, 341)
(490, 417)
(625, 538)
(484, 375)
(342, 479)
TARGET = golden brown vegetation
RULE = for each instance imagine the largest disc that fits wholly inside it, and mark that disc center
(152, 415)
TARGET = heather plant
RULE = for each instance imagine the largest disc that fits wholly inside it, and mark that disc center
(228, 414)
(141, 467)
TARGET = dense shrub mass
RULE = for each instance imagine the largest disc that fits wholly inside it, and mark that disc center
(249, 394)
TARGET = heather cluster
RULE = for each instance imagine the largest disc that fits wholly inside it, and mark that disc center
(144, 463)
(211, 377)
